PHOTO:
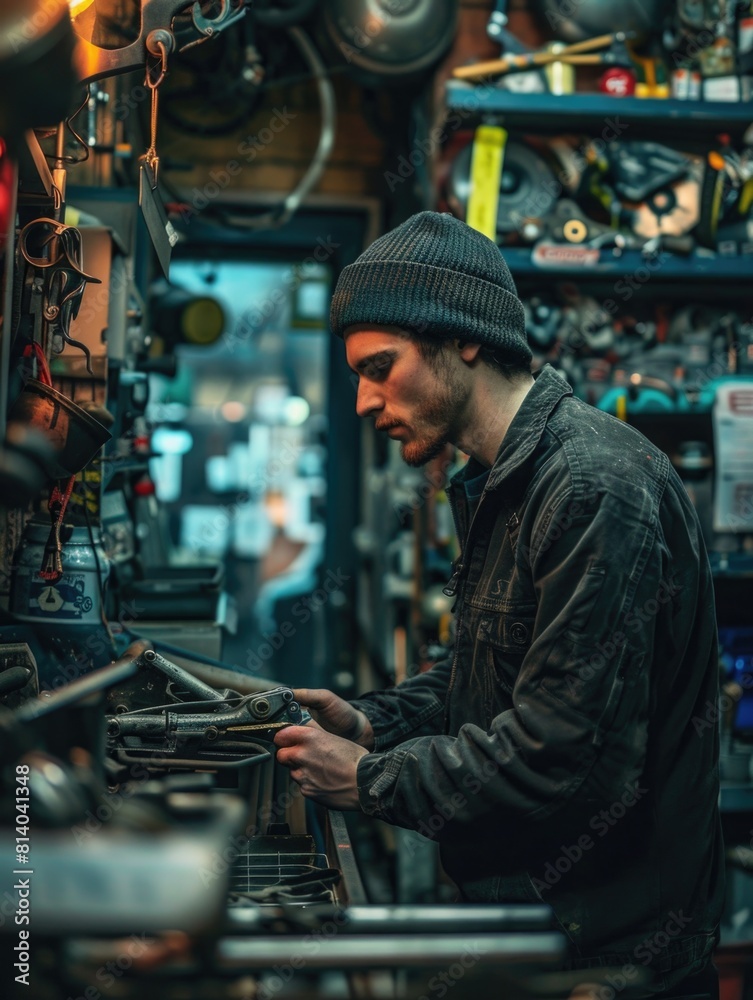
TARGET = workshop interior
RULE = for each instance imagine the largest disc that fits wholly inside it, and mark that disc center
(194, 522)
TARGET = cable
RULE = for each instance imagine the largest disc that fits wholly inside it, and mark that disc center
(215, 91)
(279, 216)
(177, 705)
(82, 142)
(102, 614)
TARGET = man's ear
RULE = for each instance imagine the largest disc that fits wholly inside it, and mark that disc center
(467, 351)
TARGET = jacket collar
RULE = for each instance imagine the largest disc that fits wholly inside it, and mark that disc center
(525, 431)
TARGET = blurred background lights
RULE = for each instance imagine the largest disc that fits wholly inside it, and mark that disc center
(233, 411)
(296, 411)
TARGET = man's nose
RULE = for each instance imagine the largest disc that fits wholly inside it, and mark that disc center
(368, 399)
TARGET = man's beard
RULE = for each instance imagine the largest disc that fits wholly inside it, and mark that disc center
(436, 423)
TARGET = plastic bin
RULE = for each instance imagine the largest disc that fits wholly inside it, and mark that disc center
(171, 592)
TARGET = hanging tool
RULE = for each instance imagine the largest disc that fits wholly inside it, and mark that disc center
(578, 54)
(57, 292)
(160, 44)
(497, 31)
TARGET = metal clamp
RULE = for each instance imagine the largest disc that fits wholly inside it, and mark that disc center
(95, 63)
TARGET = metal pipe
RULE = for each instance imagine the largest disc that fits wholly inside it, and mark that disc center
(202, 691)
(84, 687)
(390, 951)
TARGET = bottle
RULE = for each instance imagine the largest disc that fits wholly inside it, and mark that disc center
(75, 599)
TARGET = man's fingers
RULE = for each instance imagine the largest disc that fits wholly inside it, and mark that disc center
(312, 697)
(291, 736)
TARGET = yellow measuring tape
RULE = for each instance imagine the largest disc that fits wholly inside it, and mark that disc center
(487, 160)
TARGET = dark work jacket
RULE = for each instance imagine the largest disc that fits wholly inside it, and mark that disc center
(567, 751)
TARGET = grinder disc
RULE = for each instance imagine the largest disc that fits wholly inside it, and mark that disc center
(527, 186)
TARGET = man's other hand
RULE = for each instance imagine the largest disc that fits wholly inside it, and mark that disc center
(323, 765)
(336, 715)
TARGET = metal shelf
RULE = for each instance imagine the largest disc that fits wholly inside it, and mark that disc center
(584, 112)
(671, 267)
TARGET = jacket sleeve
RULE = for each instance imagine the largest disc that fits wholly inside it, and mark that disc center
(578, 726)
(413, 708)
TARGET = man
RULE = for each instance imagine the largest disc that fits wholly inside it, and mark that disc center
(563, 751)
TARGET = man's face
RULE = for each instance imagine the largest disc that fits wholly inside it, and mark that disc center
(418, 401)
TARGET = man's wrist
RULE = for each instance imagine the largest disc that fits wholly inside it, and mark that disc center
(364, 734)
(360, 725)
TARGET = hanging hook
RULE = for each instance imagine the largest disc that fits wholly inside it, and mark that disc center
(159, 43)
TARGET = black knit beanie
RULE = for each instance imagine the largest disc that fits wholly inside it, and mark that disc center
(434, 275)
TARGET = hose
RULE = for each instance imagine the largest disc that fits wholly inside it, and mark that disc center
(280, 215)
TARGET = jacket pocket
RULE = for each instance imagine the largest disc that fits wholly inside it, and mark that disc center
(503, 640)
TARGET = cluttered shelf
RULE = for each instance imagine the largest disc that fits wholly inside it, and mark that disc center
(584, 111)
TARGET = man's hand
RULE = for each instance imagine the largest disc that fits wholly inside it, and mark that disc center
(336, 715)
(323, 765)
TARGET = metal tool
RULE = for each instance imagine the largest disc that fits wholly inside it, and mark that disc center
(160, 44)
(186, 736)
(200, 725)
(578, 54)
(497, 31)
(94, 63)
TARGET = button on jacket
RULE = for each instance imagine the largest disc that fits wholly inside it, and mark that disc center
(564, 752)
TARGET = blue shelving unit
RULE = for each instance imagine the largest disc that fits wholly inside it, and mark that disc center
(588, 112)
